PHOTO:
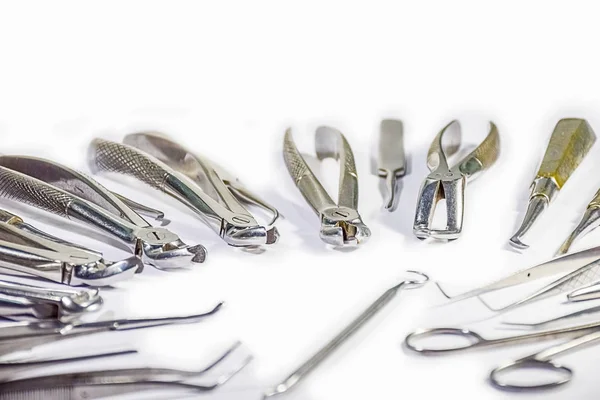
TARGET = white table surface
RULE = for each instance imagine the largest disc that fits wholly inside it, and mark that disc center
(227, 79)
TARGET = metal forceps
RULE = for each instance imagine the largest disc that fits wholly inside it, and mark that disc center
(25, 249)
(341, 224)
(63, 191)
(445, 182)
(166, 166)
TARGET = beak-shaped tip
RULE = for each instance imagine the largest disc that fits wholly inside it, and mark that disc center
(200, 253)
(516, 243)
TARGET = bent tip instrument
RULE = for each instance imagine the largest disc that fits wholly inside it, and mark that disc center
(391, 160)
(569, 144)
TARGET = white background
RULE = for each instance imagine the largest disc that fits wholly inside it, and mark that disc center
(227, 78)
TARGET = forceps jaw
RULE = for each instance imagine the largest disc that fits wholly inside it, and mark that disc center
(164, 250)
(237, 235)
(342, 226)
(101, 274)
(564, 374)
(437, 186)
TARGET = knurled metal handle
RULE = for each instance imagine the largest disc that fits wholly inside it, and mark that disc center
(120, 158)
(22, 188)
(569, 144)
(303, 177)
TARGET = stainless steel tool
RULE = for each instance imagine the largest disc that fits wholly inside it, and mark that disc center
(26, 250)
(341, 224)
(168, 167)
(542, 361)
(589, 222)
(581, 261)
(569, 144)
(60, 190)
(117, 382)
(391, 161)
(17, 299)
(445, 182)
(337, 341)
(469, 340)
(212, 178)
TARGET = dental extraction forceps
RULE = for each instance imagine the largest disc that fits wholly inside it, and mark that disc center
(445, 182)
(570, 142)
(27, 250)
(44, 303)
(337, 341)
(166, 166)
(60, 190)
(341, 224)
(115, 382)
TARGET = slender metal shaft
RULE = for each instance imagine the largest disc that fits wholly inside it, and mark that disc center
(337, 341)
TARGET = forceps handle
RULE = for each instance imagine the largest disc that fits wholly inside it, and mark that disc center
(20, 187)
(314, 193)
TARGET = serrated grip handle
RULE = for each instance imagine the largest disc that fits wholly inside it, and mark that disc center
(22, 188)
(569, 144)
(25, 189)
(123, 159)
(310, 187)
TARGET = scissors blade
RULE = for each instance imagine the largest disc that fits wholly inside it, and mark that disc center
(564, 264)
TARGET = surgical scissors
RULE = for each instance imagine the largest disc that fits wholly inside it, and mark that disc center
(542, 361)
(475, 340)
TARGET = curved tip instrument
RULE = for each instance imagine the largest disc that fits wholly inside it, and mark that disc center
(569, 144)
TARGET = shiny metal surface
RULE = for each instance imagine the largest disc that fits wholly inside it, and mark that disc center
(589, 222)
(542, 361)
(391, 160)
(26, 250)
(227, 189)
(64, 304)
(448, 183)
(341, 224)
(312, 363)
(112, 382)
(58, 189)
(566, 264)
(570, 142)
(166, 166)
(470, 340)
